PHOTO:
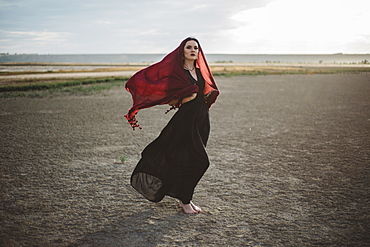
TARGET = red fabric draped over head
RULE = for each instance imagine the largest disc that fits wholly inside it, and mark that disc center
(163, 81)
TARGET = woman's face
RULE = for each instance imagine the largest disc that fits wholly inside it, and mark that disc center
(191, 50)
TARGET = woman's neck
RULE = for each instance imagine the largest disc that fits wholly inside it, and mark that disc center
(189, 64)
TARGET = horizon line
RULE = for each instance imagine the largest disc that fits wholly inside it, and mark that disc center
(306, 54)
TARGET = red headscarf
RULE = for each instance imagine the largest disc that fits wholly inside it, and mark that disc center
(163, 81)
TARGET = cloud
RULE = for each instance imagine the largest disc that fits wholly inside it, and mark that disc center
(117, 26)
(158, 26)
(31, 35)
(290, 26)
(28, 41)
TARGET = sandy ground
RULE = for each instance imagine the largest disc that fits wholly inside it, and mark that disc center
(289, 158)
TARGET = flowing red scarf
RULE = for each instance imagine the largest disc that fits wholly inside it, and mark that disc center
(161, 82)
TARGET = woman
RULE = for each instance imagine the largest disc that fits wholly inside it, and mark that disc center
(176, 160)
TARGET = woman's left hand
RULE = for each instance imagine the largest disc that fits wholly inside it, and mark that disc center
(206, 96)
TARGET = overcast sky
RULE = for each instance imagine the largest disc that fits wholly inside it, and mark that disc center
(158, 26)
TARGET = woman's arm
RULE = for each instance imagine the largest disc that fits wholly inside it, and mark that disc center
(189, 98)
(184, 100)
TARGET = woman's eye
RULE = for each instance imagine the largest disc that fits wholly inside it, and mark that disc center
(189, 47)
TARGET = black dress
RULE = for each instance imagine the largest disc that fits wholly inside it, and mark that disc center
(176, 160)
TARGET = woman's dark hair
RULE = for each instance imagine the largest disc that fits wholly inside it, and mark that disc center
(190, 38)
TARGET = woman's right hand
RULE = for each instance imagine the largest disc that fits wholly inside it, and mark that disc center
(189, 98)
(184, 100)
(173, 102)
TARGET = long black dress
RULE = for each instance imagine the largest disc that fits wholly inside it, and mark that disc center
(176, 160)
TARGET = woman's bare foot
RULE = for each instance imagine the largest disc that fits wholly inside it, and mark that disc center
(195, 207)
(188, 208)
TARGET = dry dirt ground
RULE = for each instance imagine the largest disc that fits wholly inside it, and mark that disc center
(290, 166)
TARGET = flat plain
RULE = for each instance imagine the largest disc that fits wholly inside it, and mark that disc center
(289, 156)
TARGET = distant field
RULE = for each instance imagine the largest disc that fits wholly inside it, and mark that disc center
(30, 73)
